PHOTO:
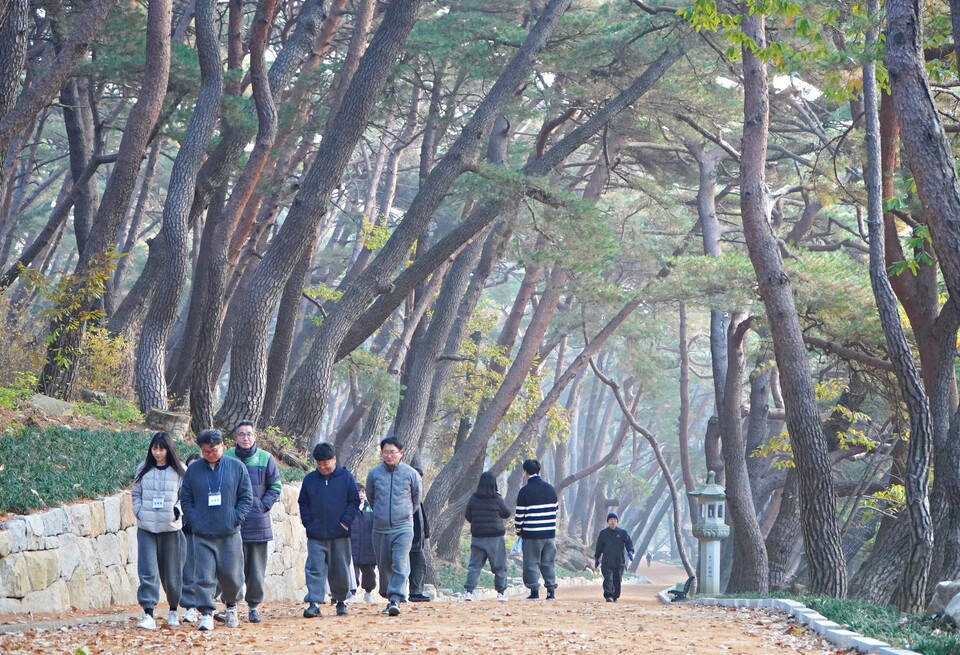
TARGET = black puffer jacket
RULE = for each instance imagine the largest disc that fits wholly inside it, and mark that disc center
(485, 516)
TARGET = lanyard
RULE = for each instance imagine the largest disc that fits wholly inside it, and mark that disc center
(219, 479)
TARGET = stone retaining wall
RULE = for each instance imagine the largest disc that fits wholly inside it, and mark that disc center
(85, 556)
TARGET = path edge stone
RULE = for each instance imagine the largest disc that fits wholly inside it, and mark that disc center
(807, 617)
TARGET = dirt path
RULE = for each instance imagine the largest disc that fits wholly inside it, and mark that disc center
(579, 621)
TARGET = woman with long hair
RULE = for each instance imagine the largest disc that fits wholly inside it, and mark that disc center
(485, 513)
(160, 542)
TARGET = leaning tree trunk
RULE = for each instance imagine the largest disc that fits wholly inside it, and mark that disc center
(150, 382)
(94, 267)
(911, 591)
(818, 514)
(750, 572)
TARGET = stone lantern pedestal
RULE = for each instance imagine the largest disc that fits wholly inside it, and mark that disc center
(710, 530)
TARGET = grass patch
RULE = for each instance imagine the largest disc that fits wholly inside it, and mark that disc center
(910, 631)
(115, 409)
(44, 468)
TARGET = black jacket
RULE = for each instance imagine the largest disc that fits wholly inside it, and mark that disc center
(361, 538)
(421, 527)
(485, 516)
(611, 546)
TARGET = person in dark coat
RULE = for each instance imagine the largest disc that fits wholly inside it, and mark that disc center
(329, 504)
(612, 543)
(485, 513)
(361, 544)
(216, 498)
(256, 530)
(418, 560)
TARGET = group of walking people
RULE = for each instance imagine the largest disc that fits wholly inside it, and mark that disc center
(203, 528)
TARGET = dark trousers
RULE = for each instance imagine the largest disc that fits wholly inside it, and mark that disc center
(366, 576)
(611, 581)
(418, 570)
(254, 571)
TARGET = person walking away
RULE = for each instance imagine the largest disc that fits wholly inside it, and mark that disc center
(649, 558)
(188, 593)
(536, 522)
(216, 498)
(485, 513)
(418, 559)
(393, 489)
(361, 547)
(256, 531)
(612, 543)
(329, 504)
(160, 543)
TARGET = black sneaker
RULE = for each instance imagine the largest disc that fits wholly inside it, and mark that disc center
(253, 616)
(419, 598)
(534, 594)
(341, 608)
(393, 609)
(608, 599)
(311, 612)
(550, 594)
(220, 617)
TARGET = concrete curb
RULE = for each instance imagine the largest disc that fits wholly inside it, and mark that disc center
(814, 621)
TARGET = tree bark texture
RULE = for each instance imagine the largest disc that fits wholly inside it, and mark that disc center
(820, 530)
(150, 379)
(63, 351)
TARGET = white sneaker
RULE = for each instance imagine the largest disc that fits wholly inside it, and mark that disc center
(206, 622)
(367, 597)
(351, 599)
(468, 596)
(147, 623)
(232, 620)
(502, 597)
(172, 619)
(191, 615)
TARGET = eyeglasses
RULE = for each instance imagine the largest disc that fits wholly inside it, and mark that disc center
(389, 453)
(246, 434)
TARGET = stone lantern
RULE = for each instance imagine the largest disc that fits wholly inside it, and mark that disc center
(710, 529)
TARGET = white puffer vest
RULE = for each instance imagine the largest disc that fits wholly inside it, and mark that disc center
(157, 484)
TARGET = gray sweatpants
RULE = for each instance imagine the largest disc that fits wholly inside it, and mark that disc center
(159, 563)
(219, 560)
(189, 595)
(481, 550)
(328, 560)
(539, 558)
(393, 562)
(254, 571)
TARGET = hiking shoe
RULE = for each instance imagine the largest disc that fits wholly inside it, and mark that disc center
(534, 594)
(502, 597)
(253, 616)
(341, 608)
(551, 594)
(172, 619)
(468, 596)
(608, 599)
(220, 617)
(191, 615)
(420, 598)
(231, 617)
(393, 609)
(367, 597)
(311, 612)
(206, 622)
(147, 623)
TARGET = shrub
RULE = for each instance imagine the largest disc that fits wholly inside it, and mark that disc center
(105, 363)
(21, 388)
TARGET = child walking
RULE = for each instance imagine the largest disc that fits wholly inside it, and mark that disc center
(160, 543)
(485, 513)
(612, 543)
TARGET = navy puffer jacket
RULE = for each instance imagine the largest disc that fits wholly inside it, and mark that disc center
(326, 502)
(361, 538)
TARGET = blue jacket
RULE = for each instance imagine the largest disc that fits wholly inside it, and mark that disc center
(328, 502)
(361, 538)
(230, 478)
(266, 485)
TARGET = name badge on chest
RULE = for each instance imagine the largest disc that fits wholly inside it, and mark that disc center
(213, 500)
(158, 502)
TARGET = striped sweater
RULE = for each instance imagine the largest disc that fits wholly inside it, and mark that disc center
(536, 516)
